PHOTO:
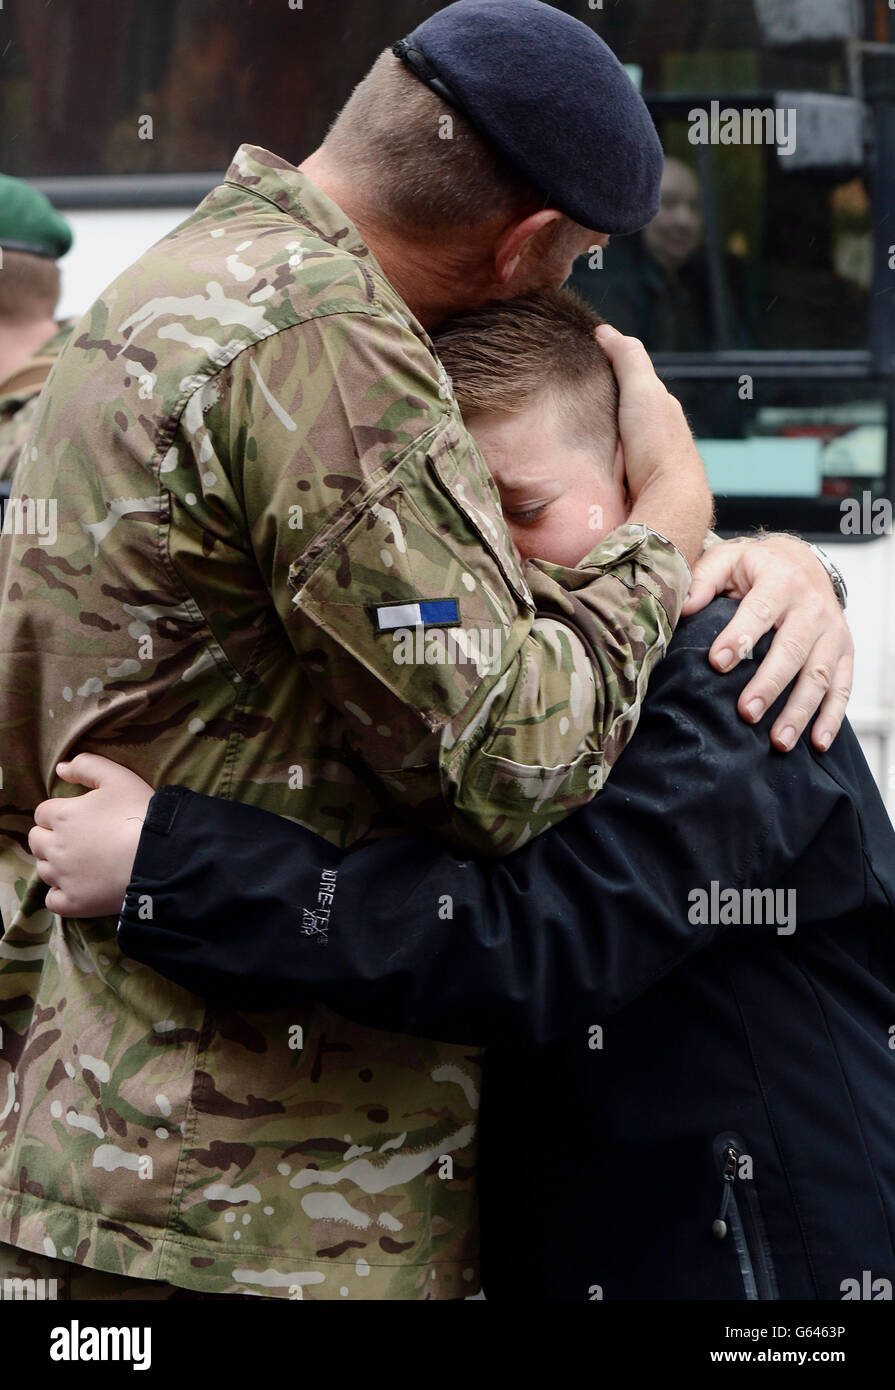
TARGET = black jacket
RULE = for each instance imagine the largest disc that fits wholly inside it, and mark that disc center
(725, 1047)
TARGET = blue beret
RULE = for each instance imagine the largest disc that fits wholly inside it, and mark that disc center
(550, 97)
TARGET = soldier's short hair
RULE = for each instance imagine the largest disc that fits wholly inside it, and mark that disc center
(29, 286)
(504, 355)
(419, 158)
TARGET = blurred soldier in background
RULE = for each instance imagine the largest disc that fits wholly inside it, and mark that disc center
(33, 236)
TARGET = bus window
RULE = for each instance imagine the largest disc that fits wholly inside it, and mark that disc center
(774, 441)
(764, 288)
(744, 254)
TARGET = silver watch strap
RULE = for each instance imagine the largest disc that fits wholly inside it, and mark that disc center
(836, 579)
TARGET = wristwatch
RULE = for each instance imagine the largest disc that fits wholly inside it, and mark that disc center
(836, 579)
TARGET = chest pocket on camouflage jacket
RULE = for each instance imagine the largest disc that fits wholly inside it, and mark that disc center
(419, 584)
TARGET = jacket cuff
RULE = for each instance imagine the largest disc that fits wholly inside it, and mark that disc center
(162, 810)
(659, 566)
(152, 862)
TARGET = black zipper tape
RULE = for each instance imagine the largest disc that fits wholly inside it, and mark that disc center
(740, 1217)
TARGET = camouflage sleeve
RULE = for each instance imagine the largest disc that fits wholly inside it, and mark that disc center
(14, 426)
(487, 701)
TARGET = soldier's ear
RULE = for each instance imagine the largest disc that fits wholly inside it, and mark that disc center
(511, 245)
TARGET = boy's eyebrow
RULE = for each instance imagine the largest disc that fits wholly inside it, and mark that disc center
(525, 484)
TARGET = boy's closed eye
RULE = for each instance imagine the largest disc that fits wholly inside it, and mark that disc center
(527, 517)
(558, 499)
(524, 513)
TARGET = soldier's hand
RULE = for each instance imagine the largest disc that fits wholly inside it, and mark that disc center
(651, 421)
(784, 586)
(85, 846)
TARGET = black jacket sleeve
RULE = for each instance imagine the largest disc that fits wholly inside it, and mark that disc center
(252, 911)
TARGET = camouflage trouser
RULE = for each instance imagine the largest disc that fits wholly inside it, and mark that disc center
(27, 1276)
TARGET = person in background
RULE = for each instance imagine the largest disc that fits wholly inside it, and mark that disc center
(33, 238)
(655, 285)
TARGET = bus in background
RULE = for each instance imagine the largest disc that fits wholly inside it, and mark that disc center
(764, 290)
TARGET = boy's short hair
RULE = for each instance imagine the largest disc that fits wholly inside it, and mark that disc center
(501, 357)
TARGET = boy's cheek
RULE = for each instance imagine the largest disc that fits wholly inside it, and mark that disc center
(593, 537)
(562, 541)
(528, 541)
(521, 542)
(521, 556)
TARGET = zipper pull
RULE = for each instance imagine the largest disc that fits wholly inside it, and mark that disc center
(728, 1177)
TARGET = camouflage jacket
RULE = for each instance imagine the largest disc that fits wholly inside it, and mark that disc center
(19, 393)
(248, 482)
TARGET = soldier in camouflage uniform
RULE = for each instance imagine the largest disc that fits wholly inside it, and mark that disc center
(19, 393)
(32, 237)
(252, 459)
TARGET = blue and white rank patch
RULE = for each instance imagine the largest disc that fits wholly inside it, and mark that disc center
(435, 612)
